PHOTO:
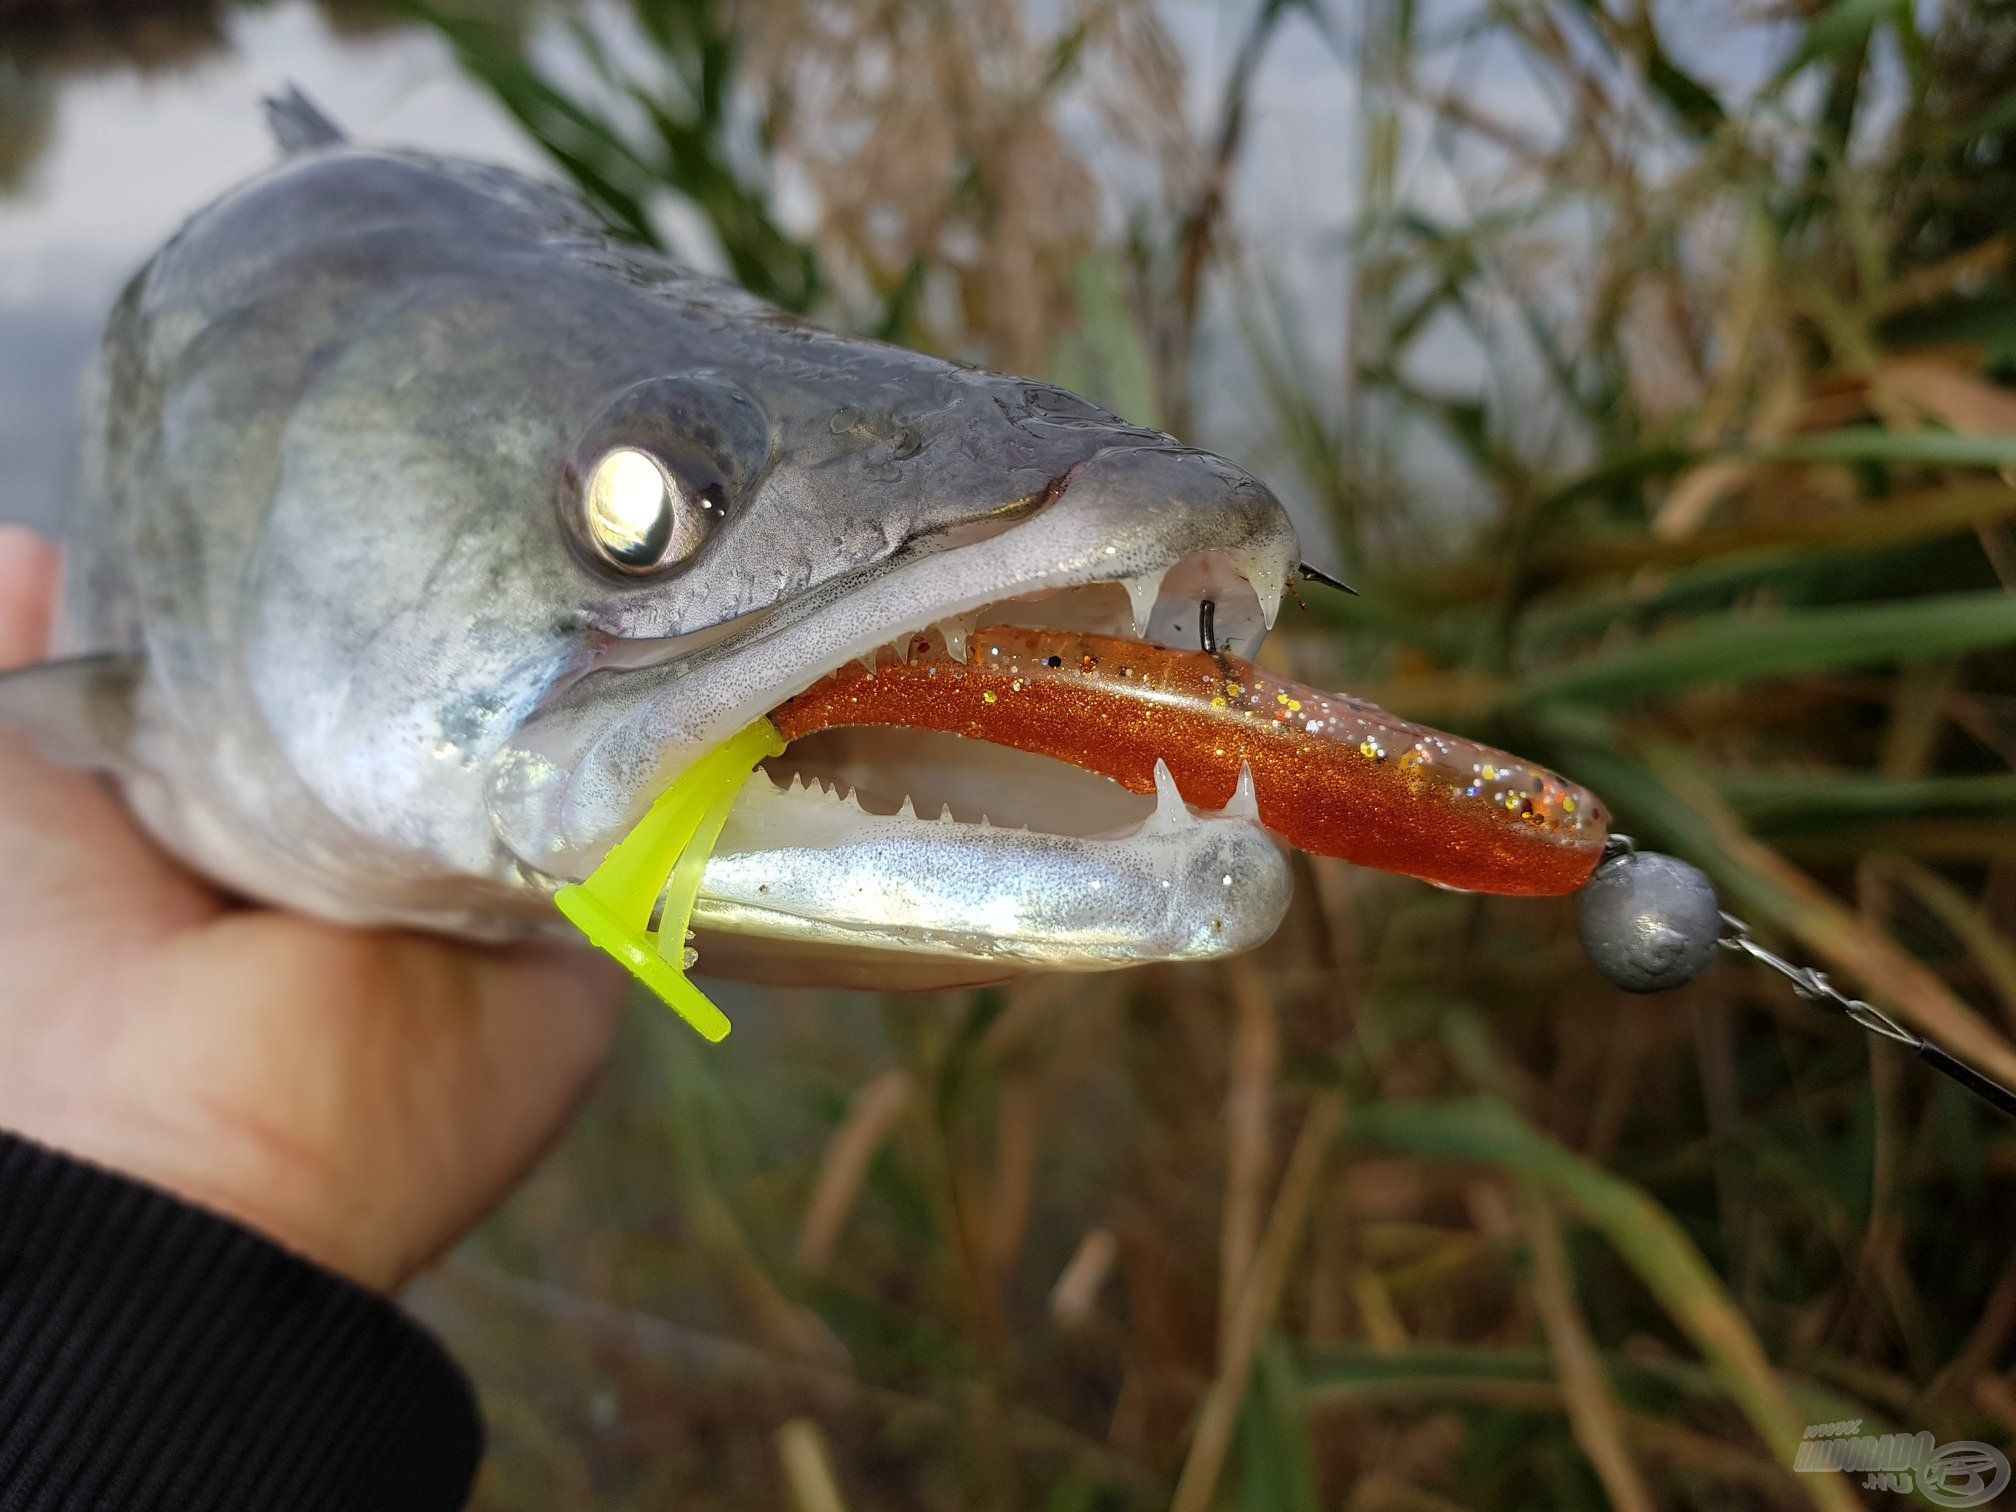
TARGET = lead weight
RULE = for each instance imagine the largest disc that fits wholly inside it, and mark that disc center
(1649, 922)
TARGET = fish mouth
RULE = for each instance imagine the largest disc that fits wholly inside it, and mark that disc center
(924, 842)
(913, 857)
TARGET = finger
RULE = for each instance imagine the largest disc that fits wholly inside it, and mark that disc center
(549, 1016)
(73, 856)
(28, 570)
(502, 1046)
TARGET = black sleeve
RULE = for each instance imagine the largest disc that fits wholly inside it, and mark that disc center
(155, 1355)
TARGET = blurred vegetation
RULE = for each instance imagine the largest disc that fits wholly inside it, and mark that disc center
(1671, 439)
(43, 42)
(45, 37)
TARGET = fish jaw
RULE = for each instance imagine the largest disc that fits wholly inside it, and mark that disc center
(809, 887)
(1136, 534)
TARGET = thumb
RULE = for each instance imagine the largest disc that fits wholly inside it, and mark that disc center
(28, 570)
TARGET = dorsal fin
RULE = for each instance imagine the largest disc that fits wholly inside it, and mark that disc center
(77, 712)
(298, 124)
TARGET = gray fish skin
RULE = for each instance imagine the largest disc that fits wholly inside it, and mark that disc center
(340, 421)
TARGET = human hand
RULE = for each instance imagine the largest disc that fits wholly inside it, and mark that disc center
(363, 1097)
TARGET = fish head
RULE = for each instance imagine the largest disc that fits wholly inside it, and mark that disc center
(531, 521)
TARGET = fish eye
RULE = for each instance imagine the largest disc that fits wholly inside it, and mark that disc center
(638, 516)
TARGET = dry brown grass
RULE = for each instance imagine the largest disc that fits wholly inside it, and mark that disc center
(1407, 1210)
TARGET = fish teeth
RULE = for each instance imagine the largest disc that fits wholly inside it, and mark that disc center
(906, 809)
(1143, 590)
(840, 792)
(1170, 809)
(1244, 803)
(956, 631)
(1267, 584)
(1269, 591)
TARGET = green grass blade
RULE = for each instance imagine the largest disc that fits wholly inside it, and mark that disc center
(1771, 645)
(1800, 801)
(1277, 1467)
(1426, 1373)
(1873, 443)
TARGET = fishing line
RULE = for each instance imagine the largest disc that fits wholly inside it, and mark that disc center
(1650, 923)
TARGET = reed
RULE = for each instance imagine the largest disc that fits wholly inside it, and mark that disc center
(1672, 441)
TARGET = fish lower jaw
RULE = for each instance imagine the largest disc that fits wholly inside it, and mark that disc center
(806, 866)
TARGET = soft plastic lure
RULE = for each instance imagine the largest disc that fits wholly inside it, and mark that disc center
(1332, 775)
(663, 857)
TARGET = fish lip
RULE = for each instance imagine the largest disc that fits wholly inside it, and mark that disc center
(586, 764)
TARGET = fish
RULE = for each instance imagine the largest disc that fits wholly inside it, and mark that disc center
(429, 532)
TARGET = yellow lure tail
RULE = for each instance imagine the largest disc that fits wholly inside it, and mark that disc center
(666, 854)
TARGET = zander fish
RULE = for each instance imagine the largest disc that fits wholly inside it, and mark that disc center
(430, 534)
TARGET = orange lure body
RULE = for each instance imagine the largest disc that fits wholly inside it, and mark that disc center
(1333, 775)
